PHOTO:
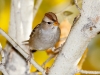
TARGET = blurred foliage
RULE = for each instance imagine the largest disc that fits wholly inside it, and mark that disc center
(47, 6)
(65, 10)
(41, 57)
(92, 61)
(4, 18)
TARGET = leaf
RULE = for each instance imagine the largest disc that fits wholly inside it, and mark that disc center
(67, 13)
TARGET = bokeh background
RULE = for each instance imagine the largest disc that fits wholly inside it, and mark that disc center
(91, 56)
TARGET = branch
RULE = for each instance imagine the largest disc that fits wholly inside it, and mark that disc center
(2, 67)
(26, 14)
(52, 56)
(36, 7)
(19, 30)
(17, 47)
(77, 5)
(81, 34)
(21, 20)
(88, 72)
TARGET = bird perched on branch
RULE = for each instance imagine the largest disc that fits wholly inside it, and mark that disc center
(46, 34)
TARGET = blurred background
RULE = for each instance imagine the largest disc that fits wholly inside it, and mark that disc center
(65, 10)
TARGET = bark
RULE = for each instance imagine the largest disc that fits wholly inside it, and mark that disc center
(80, 35)
(19, 30)
(2, 62)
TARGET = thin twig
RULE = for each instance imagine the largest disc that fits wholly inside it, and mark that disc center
(2, 67)
(36, 7)
(56, 51)
(77, 5)
(48, 60)
(17, 47)
(88, 72)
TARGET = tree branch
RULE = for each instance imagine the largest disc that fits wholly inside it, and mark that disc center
(2, 67)
(81, 34)
(36, 7)
(26, 14)
(77, 5)
(88, 72)
(16, 46)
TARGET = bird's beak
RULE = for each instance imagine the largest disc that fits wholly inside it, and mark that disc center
(56, 23)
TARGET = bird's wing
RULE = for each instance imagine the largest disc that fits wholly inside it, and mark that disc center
(34, 30)
(26, 42)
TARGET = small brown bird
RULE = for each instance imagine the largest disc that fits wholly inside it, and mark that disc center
(46, 34)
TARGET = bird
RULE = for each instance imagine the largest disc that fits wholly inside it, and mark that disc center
(46, 34)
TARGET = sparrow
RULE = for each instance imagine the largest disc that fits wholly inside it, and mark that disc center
(46, 34)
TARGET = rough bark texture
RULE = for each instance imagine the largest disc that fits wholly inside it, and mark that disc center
(19, 29)
(83, 31)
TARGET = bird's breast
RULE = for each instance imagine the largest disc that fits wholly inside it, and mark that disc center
(46, 36)
(44, 40)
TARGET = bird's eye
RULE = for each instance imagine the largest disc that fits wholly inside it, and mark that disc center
(49, 22)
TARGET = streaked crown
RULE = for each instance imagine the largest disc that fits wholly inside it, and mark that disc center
(51, 16)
